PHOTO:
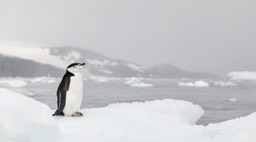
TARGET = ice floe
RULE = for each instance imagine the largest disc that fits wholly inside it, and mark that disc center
(137, 82)
(13, 82)
(243, 75)
(198, 83)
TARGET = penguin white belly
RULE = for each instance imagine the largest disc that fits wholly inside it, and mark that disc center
(74, 95)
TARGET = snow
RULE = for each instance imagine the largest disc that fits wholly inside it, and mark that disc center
(224, 84)
(23, 119)
(37, 54)
(152, 121)
(135, 67)
(98, 62)
(114, 64)
(13, 82)
(198, 83)
(243, 75)
(137, 82)
(129, 122)
(72, 56)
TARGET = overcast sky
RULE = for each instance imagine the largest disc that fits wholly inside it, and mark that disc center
(198, 35)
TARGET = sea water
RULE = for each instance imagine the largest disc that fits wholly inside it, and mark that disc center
(219, 102)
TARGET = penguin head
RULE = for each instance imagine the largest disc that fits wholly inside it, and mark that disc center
(75, 67)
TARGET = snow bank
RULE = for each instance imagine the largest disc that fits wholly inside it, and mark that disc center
(236, 130)
(136, 82)
(132, 122)
(162, 120)
(24, 120)
(244, 75)
(198, 83)
(13, 82)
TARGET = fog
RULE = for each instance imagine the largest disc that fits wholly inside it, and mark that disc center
(213, 36)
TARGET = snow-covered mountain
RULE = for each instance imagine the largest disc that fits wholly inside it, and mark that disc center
(39, 61)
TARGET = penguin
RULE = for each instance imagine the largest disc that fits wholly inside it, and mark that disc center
(70, 91)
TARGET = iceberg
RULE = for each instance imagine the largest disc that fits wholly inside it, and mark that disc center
(43, 79)
(225, 84)
(136, 82)
(243, 75)
(198, 83)
(13, 82)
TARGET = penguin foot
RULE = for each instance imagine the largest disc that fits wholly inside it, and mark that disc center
(77, 114)
(58, 113)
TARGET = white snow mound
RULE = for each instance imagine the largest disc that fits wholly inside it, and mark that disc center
(244, 75)
(23, 119)
(131, 122)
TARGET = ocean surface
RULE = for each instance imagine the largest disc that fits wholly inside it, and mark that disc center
(220, 102)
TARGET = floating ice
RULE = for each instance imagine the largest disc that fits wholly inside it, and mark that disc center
(224, 84)
(234, 99)
(244, 75)
(99, 79)
(13, 82)
(198, 83)
(136, 82)
(43, 80)
(141, 84)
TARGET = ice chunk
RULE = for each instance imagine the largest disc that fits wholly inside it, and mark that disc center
(224, 84)
(43, 80)
(99, 79)
(137, 82)
(234, 99)
(198, 83)
(243, 75)
(13, 82)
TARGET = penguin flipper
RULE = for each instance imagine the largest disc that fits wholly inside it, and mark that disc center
(61, 94)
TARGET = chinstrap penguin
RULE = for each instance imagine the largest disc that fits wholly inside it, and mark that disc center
(70, 92)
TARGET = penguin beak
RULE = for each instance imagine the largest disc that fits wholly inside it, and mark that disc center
(82, 64)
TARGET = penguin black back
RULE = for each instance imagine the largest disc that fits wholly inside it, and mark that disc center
(61, 92)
